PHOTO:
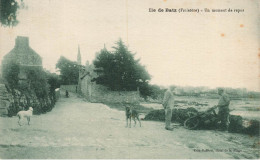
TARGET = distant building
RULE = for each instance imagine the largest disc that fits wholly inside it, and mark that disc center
(78, 89)
(79, 56)
(23, 55)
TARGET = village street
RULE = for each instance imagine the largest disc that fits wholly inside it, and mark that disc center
(78, 129)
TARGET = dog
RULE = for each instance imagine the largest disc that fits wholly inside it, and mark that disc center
(25, 114)
(131, 113)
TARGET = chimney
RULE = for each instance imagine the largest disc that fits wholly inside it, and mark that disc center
(22, 42)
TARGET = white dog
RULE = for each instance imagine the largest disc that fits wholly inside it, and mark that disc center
(25, 114)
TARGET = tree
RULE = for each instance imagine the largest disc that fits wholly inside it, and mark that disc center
(8, 12)
(157, 92)
(37, 80)
(106, 68)
(33, 86)
(69, 71)
(54, 82)
(119, 70)
(10, 74)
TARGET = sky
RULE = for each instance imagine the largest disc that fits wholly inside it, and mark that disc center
(185, 49)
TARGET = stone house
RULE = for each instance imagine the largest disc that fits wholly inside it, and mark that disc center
(23, 55)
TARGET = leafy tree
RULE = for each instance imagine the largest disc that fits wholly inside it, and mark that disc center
(54, 82)
(105, 68)
(119, 70)
(35, 84)
(69, 71)
(145, 90)
(8, 12)
(156, 92)
(37, 80)
(10, 74)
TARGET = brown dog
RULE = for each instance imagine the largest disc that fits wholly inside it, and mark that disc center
(131, 113)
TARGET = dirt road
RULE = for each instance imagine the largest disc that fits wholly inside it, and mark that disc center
(78, 129)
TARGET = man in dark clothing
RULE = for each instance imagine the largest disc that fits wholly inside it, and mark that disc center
(67, 93)
(223, 106)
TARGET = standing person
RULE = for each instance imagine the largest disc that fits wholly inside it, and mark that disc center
(223, 106)
(168, 104)
(67, 94)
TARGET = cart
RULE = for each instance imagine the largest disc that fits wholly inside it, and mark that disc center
(207, 119)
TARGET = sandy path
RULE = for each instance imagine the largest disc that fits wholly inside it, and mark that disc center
(78, 129)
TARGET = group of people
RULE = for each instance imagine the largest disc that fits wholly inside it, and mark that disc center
(223, 106)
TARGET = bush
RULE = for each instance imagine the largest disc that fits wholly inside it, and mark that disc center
(12, 110)
(178, 115)
(253, 129)
(156, 115)
(36, 90)
(235, 125)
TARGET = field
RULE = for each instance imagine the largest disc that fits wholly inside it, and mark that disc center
(247, 108)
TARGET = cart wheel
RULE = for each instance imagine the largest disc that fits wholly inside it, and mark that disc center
(191, 123)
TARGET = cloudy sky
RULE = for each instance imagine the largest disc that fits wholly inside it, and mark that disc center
(195, 49)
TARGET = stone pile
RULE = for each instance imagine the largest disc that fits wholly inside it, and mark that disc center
(237, 123)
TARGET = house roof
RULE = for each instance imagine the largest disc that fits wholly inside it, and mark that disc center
(22, 53)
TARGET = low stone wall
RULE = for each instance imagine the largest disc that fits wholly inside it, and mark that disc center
(4, 100)
(102, 94)
(11, 103)
(57, 93)
(99, 93)
(69, 88)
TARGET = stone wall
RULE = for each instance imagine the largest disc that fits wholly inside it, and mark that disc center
(102, 94)
(5, 98)
(69, 88)
(86, 88)
(98, 93)
(57, 93)
(12, 102)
